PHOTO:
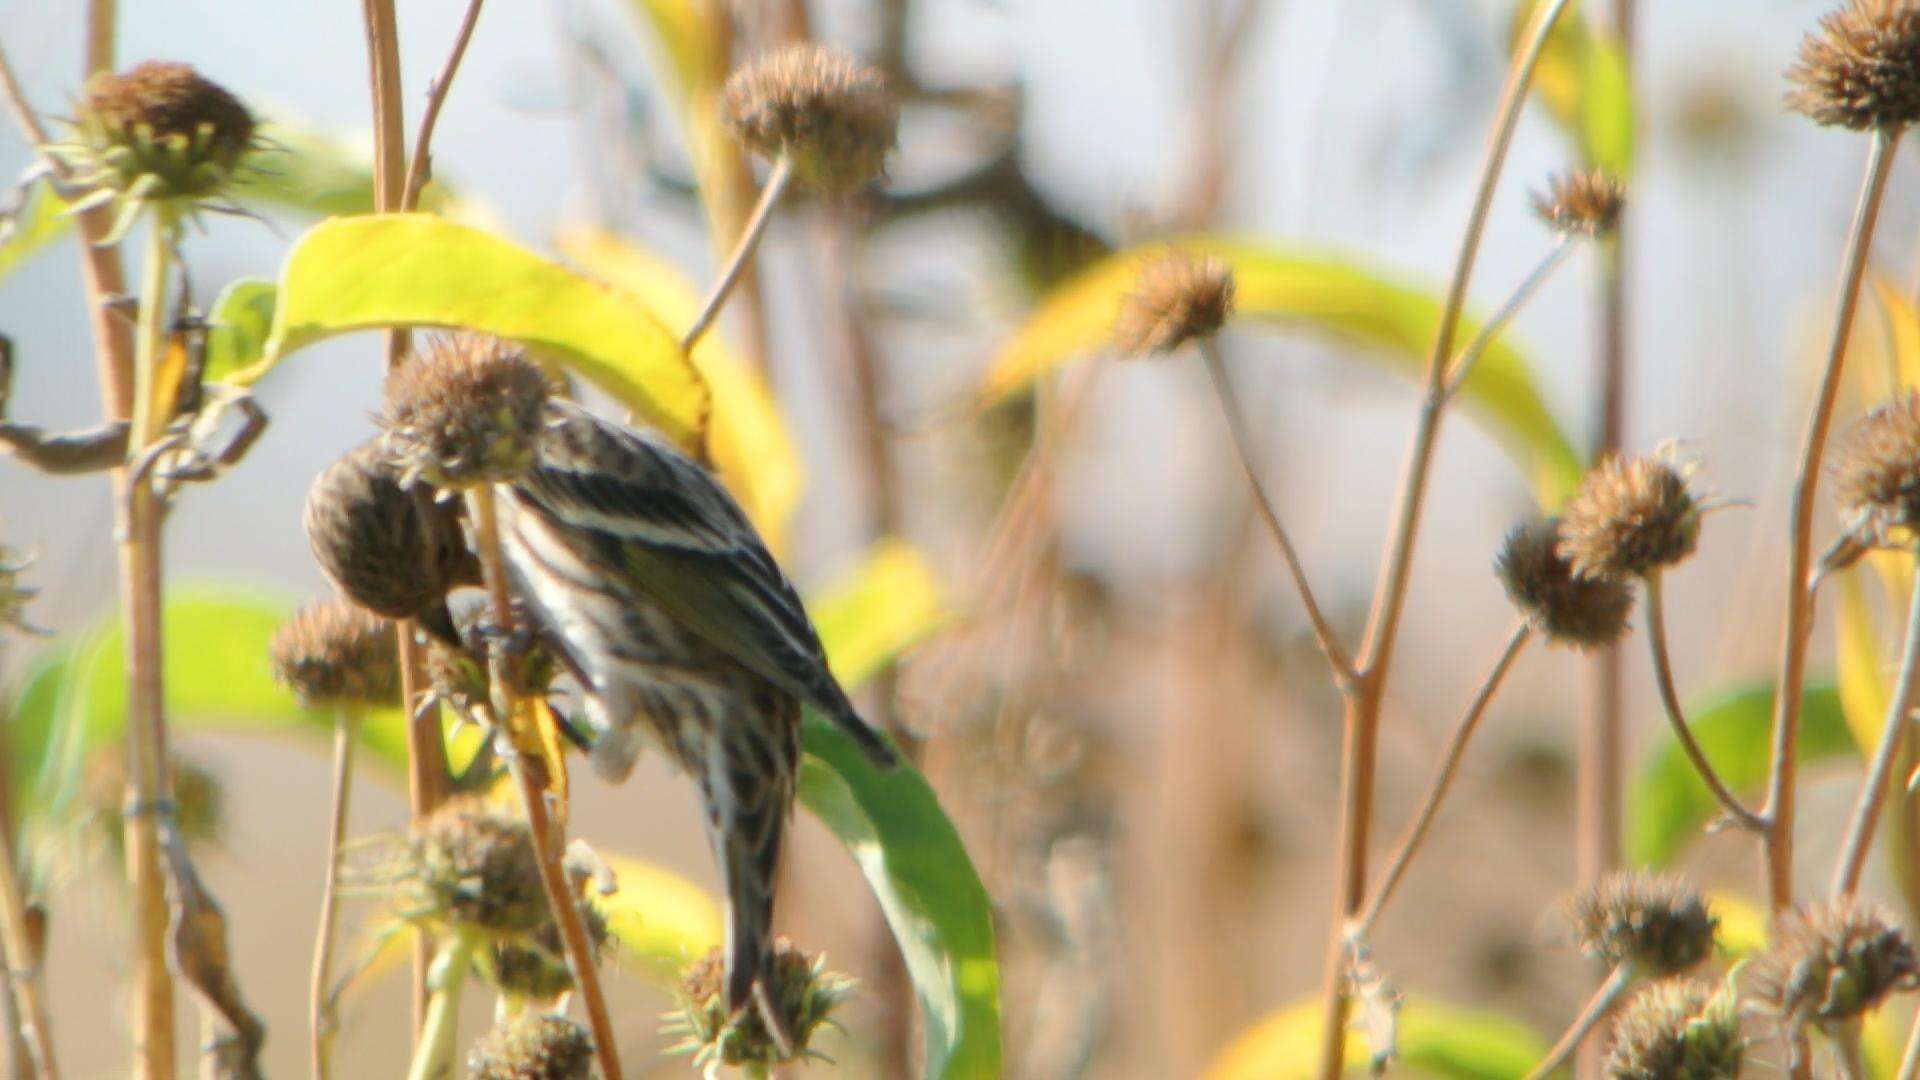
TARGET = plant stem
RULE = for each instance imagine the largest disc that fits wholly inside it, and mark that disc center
(419, 167)
(548, 837)
(742, 251)
(141, 595)
(1555, 258)
(23, 964)
(1910, 1058)
(346, 731)
(434, 1050)
(1361, 718)
(1779, 808)
(1416, 833)
(1223, 390)
(1663, 678)
(1893, 737)
(1596, 1010)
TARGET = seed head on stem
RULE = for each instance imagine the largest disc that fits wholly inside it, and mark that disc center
(829, 115)
(1833, 961)
(1177, 298)
(1861, 68)
(1583, 613)
(1876, 475)
(1631, 516)
(1660, 925)
(1679, 1029)
(1582, 204)
(338, 654)
(534, 1046)
(465, 409)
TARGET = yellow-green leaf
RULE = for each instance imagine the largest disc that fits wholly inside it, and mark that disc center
(1743, 924)
(41, 221)
(1395, 322)
(886, 605)
(1436, 1040)
(747, 436)
(661, 920)
(241, 319)
(387, 270)
(1585, 83)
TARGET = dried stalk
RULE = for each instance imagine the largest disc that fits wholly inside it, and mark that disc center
(1893, 738)
(730, 272)
(1663, 678)
(1779, 808)
(434, 1050)
(1361, 721)
(1596, 1010)
(346, 732)
(420, 167)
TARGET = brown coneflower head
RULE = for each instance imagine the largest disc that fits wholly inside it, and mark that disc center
(465, 409)
(335, 653)
(1582, 203)
(1585, 613)
(1861, 69)
(1876, 474)
(536, 969)
(1660, 925)
(394, 551)
(533, 1046)
(805, 995)
(475, 867)
(831, 116)
(1679, 1029)
(1631, 516)
(1834, 960)
(1176, 298)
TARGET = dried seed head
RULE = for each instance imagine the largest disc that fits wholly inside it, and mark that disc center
(1658, 924)
(336, 653)
(394, 551)
(536, 969)
(831, 116)
(1176, 298)
(1876, 470)
(1582, 203)
(1630, 516)
(1680, 1029)
(534, 1046)
(475, 867)
(1586, 613)
(805, 994)
(466, 409)
(1834, 960)
(1861, 69)
(157, 131)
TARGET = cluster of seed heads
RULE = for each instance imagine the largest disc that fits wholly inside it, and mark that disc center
(1177, 298)
(829, 116)
(1583, 612)
(1658, 925)
(475, 868)
(804, 993)
(1832, 961)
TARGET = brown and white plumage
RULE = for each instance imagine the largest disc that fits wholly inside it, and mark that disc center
(649, 581)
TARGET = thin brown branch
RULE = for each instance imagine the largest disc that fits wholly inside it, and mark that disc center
(1663, 678)
(1779, 808)
(742, 252)
(1596, 1010)
(1893, 739)
(420, 166)
(320, 1015)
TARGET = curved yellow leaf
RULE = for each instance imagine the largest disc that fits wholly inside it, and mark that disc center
(660, 919)
(1317, 291)
(748, 436)
(385, 270)
(1743, 925)
(882, 607)
(1435, 1041)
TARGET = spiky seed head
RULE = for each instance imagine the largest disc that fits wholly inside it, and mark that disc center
(464, 409)
(1658, 924)
(1582, 203)
(1631, 516)
(535, 969)
(159, 130)
(475, 868)
(335, 653)
(828, 114)
(1177, 297)
(1585, 613)
(533, 1046)
(1861, 68)
(1834, 960)
(394, 551)
(1678, 1029)
(805, 994)
(1876, 474)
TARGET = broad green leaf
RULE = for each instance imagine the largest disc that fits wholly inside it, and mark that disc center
(387, 270)
(1436, 1041)
(1397, 323)
(1585, 83)
(40, 222)
(1667, 804)
(748, 437)
(241, 319)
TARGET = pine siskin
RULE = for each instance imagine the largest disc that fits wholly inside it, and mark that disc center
(646, 579)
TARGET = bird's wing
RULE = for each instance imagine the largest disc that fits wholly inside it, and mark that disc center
(660, 522)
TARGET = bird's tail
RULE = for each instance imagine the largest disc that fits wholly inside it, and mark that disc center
(875, 745)
(749, 791)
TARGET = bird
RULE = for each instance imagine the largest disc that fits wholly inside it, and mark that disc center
(642, 574)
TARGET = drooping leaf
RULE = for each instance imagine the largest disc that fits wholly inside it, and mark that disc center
(1667, 804)
(748, 436)
(1396, 324)
(241, 319)
(1436, 1041)
(662, 921)
(40, 221)
(1585, 83)
(387, 270)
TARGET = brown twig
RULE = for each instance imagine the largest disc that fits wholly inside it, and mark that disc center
(743, 250)
(1779, 808)
(1893, 738)
(419, 167)
(320, 1016)
(1663, 678)
(1596, 1010)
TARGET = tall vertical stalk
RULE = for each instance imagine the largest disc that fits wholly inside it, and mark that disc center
(1363, 696)
(1779, 807)
(346, 732)
(434, 1050)
(1893, 738)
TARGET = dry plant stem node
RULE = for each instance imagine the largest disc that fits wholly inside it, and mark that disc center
(1893, 736)
(1363, 698)
(736, 264)
(1556, 257)
(1778, 811)
(320, 1017)
(1735, 810)
(1596, 1010)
